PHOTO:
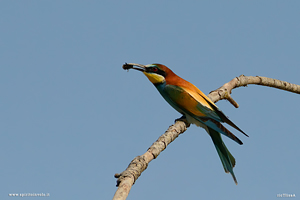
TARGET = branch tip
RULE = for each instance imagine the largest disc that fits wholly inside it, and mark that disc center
(232, 101)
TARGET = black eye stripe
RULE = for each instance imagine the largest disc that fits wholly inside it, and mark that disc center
(156, 70)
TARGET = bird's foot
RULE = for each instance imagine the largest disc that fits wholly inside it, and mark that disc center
(183, 119)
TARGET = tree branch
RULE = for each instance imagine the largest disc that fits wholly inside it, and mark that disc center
(128, 177)
(225, 91)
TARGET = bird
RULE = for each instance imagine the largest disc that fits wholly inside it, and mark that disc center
(194, 105)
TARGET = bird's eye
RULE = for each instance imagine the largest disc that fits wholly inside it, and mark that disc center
(154, 69)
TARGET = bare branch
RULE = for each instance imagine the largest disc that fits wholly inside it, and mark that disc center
(225, 91)
(128, 177)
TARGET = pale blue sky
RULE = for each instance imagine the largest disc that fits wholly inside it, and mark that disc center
(71, 117)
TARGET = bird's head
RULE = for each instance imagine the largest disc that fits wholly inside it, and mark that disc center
(156, 73)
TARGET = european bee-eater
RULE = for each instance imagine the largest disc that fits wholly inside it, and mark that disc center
(198, 109)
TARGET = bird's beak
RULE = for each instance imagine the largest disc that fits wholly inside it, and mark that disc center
(139, 67)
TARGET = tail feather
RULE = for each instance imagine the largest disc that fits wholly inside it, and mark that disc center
(227, 159)
(234, 126)
(223, 116)
(220, 128)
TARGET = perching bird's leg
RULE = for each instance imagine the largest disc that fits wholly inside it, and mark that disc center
(183, 119)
